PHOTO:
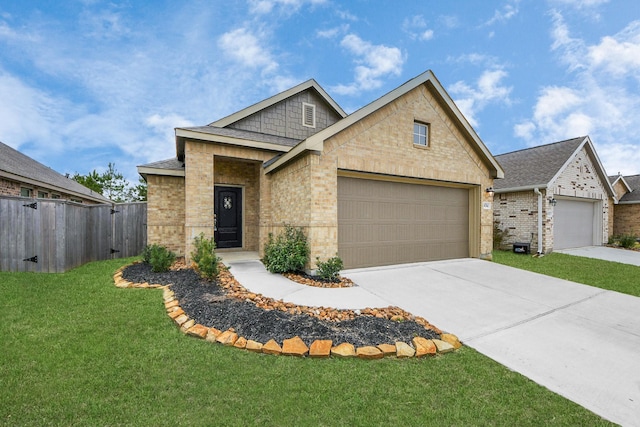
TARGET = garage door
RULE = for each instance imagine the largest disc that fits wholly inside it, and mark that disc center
(384, 223)
(574, 223)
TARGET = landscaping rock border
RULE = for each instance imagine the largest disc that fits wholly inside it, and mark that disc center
(419, 346)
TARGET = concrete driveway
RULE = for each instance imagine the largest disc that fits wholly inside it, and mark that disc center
(624, 256)
(579, 341)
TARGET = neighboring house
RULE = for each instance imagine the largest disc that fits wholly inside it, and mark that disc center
(22, 176)
(626, 216)
(403, 179)
(554, 196)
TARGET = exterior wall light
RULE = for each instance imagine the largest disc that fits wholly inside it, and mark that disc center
(552, 200)
(489, 190)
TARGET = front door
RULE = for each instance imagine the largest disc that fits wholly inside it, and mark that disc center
(228, 211)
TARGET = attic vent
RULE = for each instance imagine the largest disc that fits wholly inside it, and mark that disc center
(308, 115)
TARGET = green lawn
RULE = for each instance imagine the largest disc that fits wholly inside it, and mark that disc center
(76, 350)
(609, 275)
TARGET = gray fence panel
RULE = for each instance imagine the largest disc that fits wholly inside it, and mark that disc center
(65, 235)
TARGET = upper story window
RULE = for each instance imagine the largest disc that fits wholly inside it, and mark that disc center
(26, 192)
(43, 195)
(421, 134)
(308, 115)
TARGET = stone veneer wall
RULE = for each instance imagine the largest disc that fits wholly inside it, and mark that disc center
(627, 219)
(166, 212)
(382, 143)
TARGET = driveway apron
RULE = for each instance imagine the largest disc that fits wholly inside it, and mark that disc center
(579, 341)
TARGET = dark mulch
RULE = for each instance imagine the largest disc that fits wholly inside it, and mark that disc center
(207, 304)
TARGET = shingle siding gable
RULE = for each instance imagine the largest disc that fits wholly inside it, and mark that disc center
(285, 118)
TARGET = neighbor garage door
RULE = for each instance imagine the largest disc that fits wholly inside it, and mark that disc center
(574, 223)
(383, 223)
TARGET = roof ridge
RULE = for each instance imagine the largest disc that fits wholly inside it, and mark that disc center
(542, 145)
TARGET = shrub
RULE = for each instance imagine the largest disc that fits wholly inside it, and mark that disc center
(329, 269)
(628, 241)
(204, 255)
(159, 257)
(288, 252)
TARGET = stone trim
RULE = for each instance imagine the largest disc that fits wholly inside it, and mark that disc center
(294, 346)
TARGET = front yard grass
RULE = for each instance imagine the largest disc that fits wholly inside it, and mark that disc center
(608, 275)
(79, 351)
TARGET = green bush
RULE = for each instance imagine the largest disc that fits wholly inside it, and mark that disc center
(628, 241)
(329, 269)
(204, 255)
(159, 257)
(288, 252)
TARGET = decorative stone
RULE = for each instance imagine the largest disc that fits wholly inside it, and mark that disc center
(387, 349)
(227, 338)
(404, 350)
(181, 319)
(320, 348)
(241, 343)
(199, 331)
(272, 347)
(170, 304)
(424, 347)
(294, 347)
(344, 350)
(176, 312)
(186, 325)
(369, 353)
(254, 346)
(451, 339)
(443, 346)
(212, 334)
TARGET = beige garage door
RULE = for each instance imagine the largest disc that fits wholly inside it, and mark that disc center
(384, 223)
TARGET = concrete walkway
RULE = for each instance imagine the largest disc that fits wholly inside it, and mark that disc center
(623, 256)
(579, 341)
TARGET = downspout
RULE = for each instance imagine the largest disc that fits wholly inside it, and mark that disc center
(535, 190)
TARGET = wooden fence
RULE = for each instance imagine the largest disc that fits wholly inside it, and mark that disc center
(53, 236)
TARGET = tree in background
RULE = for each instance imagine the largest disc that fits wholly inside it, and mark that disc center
(113, 185)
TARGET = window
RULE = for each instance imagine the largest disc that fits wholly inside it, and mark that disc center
(55, 196)
(26, 192)
(308, 115)
(421, 134)
(42, 195)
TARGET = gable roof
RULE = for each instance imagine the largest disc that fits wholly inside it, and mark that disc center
(539, 167)
(316, 141)
(633, 196)
(168, 167)
(259, 106)
(21, 168)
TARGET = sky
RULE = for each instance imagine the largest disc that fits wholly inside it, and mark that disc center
(87, 82)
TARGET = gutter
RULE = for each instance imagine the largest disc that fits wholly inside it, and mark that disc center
(537, 191)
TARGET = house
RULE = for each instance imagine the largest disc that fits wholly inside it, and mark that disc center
(22, 176)
(400, 180)
(626, 216)
(554, 196)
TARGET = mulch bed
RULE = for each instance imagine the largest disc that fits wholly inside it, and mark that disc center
(305, 279)
(225, 304)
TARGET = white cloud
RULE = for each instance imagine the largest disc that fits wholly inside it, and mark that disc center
(246, 48)
(373, 63)
(262, 7)
(602, 98)
(488, 89)
(416, 27)
(331, 33)
(505, 14)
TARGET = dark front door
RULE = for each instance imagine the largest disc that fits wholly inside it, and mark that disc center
(228, 210)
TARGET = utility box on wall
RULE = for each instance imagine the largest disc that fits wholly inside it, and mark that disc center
(522, 248)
